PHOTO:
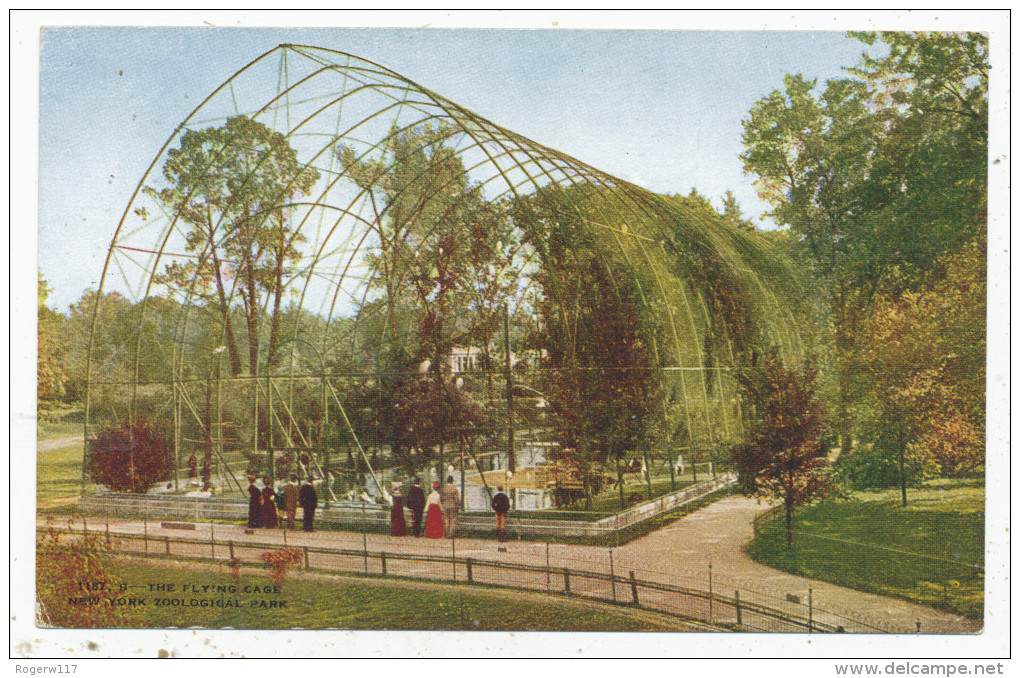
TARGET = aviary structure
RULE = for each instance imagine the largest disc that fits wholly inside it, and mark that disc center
(328, 258)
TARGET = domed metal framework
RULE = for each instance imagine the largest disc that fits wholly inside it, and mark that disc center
(318, 315)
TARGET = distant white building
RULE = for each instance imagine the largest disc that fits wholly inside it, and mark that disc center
(465, 359)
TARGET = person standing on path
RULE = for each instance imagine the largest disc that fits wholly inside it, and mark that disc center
(398, 526)
(254, 504)
(449, 500)
(434, 514)
(290, 500)
(309, 500)
(268, 504)
(501, 505)
(416, 503)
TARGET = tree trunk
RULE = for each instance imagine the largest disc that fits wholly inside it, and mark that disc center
(789, 523)
(619, 483)
(903, 470)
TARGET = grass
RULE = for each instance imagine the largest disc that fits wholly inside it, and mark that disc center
(58, 474)
(349, 603)
(929, 552)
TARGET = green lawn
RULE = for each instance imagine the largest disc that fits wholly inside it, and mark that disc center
(354, 604)
(931, 551)
(58, 474)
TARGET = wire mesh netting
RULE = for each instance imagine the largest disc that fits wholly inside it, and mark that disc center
(332, 269)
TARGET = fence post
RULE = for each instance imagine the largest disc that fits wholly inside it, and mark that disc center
(166, 540)
(145, 530)
(231, 545)
(470, 580)
(305, 549)
(612, 573)
(810, 611)
(212, 539)
(107, 533)
(918, 625)
(633, 588)
(453, 558)
(566, 580)
(84, 527)
(711, 597)
(384, 563)
(736, 597)
(548, 570)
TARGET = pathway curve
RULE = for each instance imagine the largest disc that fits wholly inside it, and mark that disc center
(677, 554)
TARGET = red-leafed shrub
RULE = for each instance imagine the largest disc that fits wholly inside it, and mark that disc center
(279, 562)
(130, 458)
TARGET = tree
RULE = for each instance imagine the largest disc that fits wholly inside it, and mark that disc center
(599, 369)
(233, 187)
(877, 174)
(50, 375)
(780, 457)
(926, 357)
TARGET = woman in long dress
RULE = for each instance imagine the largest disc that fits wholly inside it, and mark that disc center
(268, 504)
(398, 526)
(254, 504)
(433, 515)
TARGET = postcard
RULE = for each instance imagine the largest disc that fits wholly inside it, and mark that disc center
(661, 340)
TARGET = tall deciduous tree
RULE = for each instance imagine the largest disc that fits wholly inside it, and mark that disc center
(50, 372)
(780, 456)
(876, 173)
(233, 187)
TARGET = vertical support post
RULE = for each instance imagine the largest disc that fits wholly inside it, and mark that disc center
(384, 563)
(84, 526)
(633, 588)
(511, 457)
(230, 545)
(453, 557)
(269, 417)
(612, 573)
(177, 433)
(145, 529)
(736, 597)
(305, 550)
(166, 541)
(364, 537)
(810, 611)
(470, 579)
(711, 596)
(108, 533)
(212, 538)
(548, 570)
(566, 580)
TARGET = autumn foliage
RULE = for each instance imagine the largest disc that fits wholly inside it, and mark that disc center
(129, 458)
(780, 457)
(67, 570)
(279, 562)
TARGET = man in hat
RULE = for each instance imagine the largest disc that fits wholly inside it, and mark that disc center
(501, 505)
(290, 500)
(416, 504)
(449, 499)
(309, 499)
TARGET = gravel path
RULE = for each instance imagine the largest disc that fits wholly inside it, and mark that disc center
(702, 551)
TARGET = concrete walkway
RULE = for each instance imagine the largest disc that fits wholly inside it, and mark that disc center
(702, 551)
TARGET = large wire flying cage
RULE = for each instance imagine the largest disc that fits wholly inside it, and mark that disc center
(328, 259)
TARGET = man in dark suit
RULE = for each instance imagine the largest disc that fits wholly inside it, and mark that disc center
(309, 499)
(416, 504)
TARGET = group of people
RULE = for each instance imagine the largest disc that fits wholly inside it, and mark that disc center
(438, 512)
(265, 503)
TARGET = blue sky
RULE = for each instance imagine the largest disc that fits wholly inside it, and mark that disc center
(659, 108)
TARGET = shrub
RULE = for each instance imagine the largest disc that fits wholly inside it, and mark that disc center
(877, 466)
(129, 458)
